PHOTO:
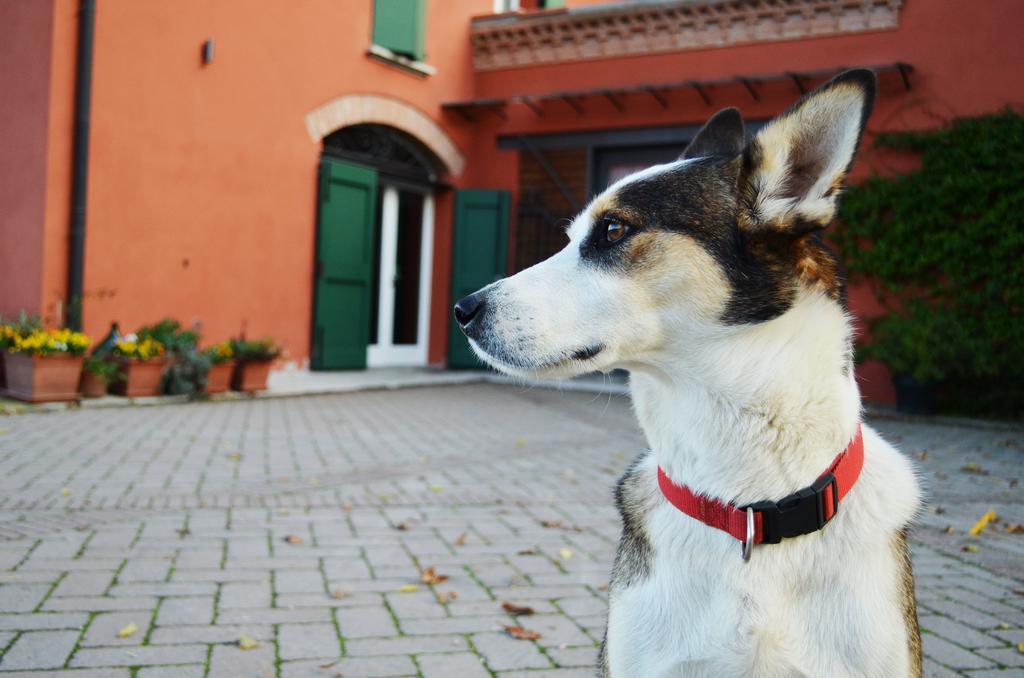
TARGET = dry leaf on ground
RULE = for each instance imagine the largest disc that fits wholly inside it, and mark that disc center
(566, 554)
(461, 539)
(247, 643)
(518, 610)
(528, 552)
(1015, 529)
(408, 588)
(234, 456)
(338, 594)
(445, 598)
(972, 467)
(970, 548)
(430, 576)
(982, 523)
(520, 633)
(128, 630)
(402, 527)
(293, 539)
(559, 525)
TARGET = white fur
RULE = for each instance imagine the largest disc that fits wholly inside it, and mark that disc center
(703, 611)
(743, 413)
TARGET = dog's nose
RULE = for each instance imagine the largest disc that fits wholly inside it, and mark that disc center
(468, 308)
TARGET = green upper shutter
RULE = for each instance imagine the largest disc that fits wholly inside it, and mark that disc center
(399, 25)
(479, 257)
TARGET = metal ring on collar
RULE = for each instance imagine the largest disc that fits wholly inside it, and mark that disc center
(748, 544)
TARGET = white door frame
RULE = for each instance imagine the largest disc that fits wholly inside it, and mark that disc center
(384, 353)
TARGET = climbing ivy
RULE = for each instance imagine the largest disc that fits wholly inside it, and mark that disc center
(945, 245)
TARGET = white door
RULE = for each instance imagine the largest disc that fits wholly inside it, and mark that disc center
(406, 255)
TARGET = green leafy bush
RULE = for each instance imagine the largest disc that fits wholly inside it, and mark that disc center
(107, 370)
(945, 244)
(187, 371)
(254, 349)
(169, 333)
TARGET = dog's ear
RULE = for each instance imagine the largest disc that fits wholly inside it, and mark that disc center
(721, 136)
(794, 168)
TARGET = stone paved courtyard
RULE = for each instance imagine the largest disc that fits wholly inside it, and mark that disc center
(302, 525)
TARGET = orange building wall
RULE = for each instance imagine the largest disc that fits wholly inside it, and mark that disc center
(966, 58)
(59, 141)
(202, 180)
(202, 190)
(24, 82)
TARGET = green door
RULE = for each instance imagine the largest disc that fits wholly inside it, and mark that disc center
(344, 266)
(479, 257)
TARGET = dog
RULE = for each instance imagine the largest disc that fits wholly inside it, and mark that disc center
(764, 533)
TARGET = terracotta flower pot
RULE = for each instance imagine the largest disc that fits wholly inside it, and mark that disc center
(93, 386)
(43, 379)
(218, 379)
(251, 375)
(141, 377)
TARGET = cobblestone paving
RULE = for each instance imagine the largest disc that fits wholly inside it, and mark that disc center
(304, 524)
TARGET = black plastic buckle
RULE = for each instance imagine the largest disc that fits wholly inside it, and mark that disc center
(800, 513)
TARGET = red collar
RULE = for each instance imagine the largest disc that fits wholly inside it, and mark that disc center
(802, 512)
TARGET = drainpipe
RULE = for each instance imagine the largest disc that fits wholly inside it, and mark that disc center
(80, 162)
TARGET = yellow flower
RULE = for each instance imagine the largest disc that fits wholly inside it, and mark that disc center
(46, 342)
(142, 350)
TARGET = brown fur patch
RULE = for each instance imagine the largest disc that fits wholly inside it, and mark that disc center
(906, 589)
(643, 248)
(673, 266)
(836, 185)
(603, 204)
(817, 268)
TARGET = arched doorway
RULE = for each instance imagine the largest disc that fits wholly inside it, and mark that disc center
(375, 234)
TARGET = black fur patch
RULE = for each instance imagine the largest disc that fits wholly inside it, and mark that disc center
(700, 199)
(909, 602)
(633, 558)
(603, 670)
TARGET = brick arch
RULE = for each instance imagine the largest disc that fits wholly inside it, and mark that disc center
(355, 109)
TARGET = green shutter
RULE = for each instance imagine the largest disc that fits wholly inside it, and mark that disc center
(345, 242)
(554, 4)
(479, 257)
(400, 25)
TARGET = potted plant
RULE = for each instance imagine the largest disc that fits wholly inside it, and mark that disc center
(98, 374)
(45, 365)
(23, 326)
(221, 357)
(141, 363)
(187, 366)
(253, 363)
(6, 339)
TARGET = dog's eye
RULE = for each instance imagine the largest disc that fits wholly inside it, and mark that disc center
(614, 231)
